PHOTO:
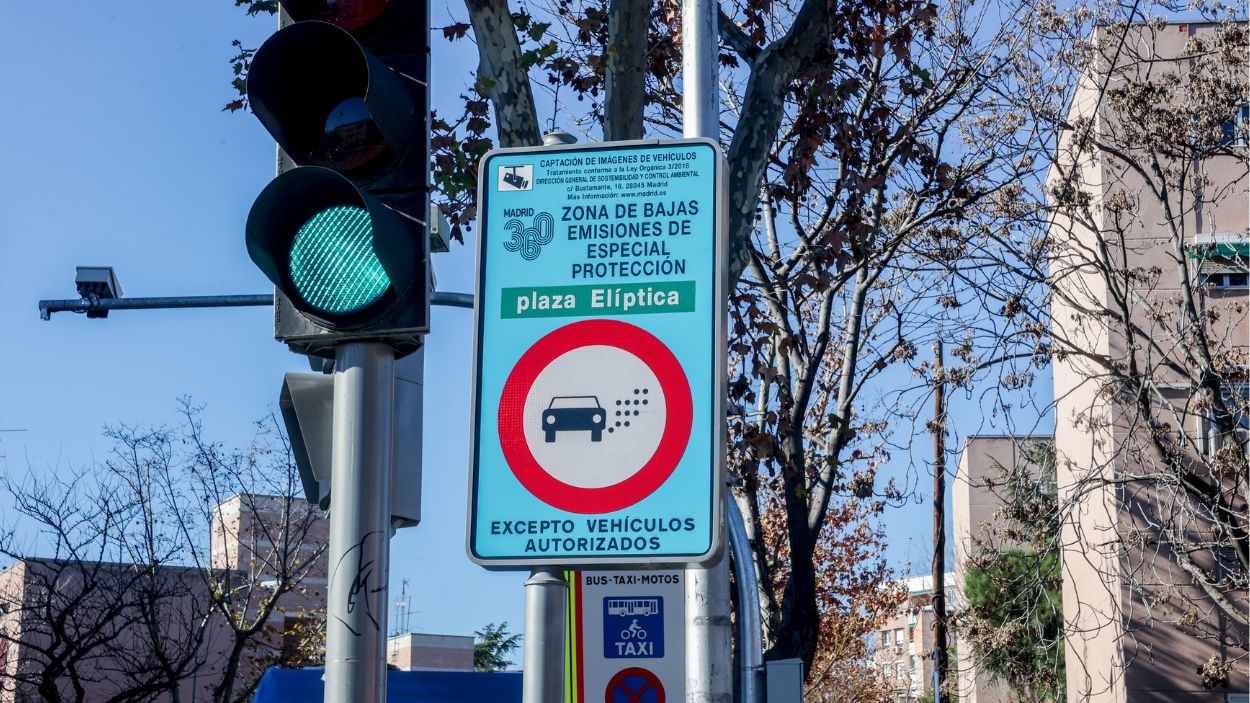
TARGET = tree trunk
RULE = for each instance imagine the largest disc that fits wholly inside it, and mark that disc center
(625, 82)
(762, 109)
(225, 690)
(500, 75)
(800, 618)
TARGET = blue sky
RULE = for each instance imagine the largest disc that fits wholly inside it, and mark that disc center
(118, 153)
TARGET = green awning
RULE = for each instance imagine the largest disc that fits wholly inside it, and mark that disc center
(1219, 250)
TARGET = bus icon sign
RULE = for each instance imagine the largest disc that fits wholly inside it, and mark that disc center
(633, 606)
(633, 628)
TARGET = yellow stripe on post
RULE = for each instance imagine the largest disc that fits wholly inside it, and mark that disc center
(572, 640)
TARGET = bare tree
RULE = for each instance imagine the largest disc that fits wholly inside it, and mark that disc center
(174, 561)
(251, 499)
(94, 619)
(879, 192)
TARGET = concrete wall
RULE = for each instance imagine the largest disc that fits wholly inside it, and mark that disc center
(425, 652)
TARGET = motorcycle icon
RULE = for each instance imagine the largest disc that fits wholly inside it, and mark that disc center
(634, 631)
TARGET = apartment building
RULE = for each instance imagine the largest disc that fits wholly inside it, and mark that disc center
(903, 650)
(1149, 330)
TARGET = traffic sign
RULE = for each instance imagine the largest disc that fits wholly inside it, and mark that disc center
(600, 355)
(583, 349)
(634, 685)
(633, 627)
(625, 619)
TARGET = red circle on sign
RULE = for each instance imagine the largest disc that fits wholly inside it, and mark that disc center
(609, 333)
(649, 690)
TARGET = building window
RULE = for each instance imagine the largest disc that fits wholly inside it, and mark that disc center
(899, 640)
(1235, 129)
(1238, 400)
(885, 639)
(1227, 279)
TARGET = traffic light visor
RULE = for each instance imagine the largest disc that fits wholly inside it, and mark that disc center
(333, 265)
(329, 102)
(339, 254)
(348, 14)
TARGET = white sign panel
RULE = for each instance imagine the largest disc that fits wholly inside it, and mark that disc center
(629, 637)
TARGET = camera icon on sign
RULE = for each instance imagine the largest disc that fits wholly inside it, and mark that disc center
(516, 178)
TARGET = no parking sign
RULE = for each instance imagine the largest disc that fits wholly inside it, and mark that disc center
(599, 357)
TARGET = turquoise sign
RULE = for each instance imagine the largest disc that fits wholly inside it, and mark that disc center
(600, 355)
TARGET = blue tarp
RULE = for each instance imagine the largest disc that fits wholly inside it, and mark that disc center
(305, 686)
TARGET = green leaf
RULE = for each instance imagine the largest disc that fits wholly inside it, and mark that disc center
(538, 29)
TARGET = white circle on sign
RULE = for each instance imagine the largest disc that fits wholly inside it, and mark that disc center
(594, 416)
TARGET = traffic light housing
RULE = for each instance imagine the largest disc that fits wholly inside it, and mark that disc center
(344, 235)
(307, 405)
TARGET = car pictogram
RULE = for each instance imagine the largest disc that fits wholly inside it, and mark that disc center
(574, 413)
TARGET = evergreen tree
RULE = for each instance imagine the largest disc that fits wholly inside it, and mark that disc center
(1014, 616)
(494, 644)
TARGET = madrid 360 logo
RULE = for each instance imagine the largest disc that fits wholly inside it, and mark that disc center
(528, 241)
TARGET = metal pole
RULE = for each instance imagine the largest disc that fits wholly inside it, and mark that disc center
(47, 307)
(750, 635)
(700, 100)
(939, 526)
(543, 677)
(359, 524)
(708, 677)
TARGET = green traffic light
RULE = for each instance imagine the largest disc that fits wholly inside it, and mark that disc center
(332, 262)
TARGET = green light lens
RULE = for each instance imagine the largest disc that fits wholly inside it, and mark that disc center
(332, 261)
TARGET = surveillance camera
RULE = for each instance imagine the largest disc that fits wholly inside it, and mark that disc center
(98, 283)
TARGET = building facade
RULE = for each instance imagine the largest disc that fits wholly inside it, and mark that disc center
(1148, 254)
(903, 651)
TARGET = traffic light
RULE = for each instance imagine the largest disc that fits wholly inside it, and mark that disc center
(342, 87)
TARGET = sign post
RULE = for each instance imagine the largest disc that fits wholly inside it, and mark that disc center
(598, 434)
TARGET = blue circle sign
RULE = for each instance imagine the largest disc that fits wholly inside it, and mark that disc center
(634, 685)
